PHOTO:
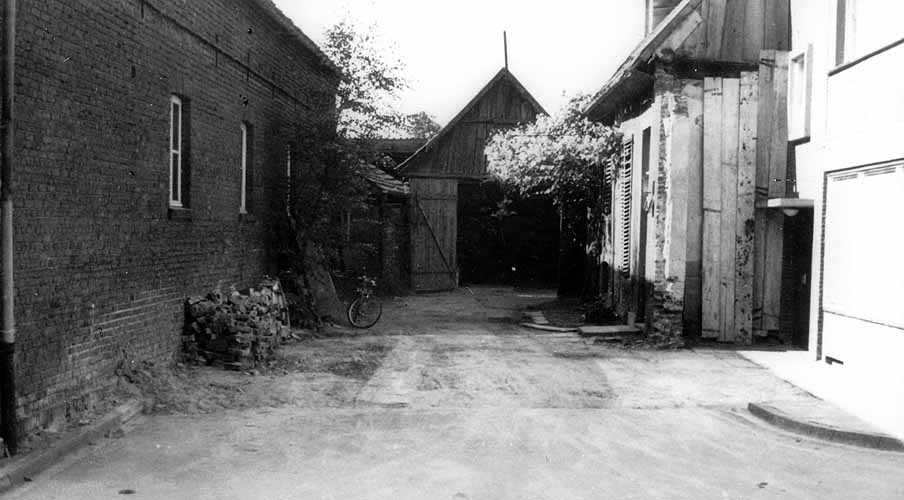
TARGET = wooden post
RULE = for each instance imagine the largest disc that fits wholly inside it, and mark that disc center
(505, 47)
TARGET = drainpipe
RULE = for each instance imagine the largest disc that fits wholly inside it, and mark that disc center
(8, 423)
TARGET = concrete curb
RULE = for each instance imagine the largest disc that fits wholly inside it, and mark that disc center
(536, 320)
(549, 328)
(787, 422)
(30, 465)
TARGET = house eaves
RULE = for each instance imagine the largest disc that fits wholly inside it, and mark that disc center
(633, 77)
(291, 29)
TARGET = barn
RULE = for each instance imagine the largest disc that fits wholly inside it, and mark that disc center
(444, 168)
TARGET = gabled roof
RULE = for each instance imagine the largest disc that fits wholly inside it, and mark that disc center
(287, 24)
(629, 76)
(503, 74)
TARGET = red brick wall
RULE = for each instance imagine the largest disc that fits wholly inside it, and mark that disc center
(102, 264)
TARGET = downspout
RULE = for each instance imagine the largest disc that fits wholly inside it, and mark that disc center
(8, 423)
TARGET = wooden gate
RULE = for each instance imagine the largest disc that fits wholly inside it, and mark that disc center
(434, 234)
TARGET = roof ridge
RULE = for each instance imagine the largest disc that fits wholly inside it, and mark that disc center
(503, 73)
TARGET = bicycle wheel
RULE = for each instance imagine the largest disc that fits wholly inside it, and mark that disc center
(364, 312)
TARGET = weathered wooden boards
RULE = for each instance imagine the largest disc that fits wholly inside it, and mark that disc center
(712, 207)
(729, 115)
(459, 151)
(747, 141)
(771, 182)
(736, 30)
(434, 233)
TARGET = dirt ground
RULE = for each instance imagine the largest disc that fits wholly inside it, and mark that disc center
(448, 397)
(311, 371)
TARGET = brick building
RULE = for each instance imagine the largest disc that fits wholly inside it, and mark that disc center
(153, 142)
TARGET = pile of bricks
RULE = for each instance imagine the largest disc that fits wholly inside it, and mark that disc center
(237, 330)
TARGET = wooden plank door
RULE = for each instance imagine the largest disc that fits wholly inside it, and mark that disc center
(434, 234)
(730, 118)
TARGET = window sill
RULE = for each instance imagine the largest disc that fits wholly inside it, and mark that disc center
(247, 217)
(178, 213)
(870, 55)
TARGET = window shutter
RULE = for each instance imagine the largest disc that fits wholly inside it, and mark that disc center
(627, 160)
(608, 178)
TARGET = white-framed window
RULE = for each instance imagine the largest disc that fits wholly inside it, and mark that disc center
(865, 26)
(800, 89)
(176, 150)
(246, 165)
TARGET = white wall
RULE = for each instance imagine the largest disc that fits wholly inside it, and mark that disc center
(633, 129)
(857, 119)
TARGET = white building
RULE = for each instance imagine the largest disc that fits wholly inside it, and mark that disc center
(846, 127)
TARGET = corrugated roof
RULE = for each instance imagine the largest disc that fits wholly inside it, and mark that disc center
(384, 182)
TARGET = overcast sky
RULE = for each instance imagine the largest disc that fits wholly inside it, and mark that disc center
(451, 48)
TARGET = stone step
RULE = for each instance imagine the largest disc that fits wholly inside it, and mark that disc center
(610, 330)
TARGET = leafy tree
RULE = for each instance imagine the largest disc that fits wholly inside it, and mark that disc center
(562, 156)
(422, 126)
(371, 81)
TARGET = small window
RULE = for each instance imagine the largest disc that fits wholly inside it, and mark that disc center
(800, 83)
(246, 165)
(864, 26)
(179, 141)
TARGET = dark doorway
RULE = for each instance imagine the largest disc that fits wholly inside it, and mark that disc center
(798, 255)
(505, 239)
(642, 289)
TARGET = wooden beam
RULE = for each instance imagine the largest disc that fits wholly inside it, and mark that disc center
(772, 157)
(675, 41)
(729, 215)
(442, 175)
(712, 206)
(746, 200)
(778, 161)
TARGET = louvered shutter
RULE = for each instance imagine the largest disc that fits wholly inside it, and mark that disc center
(627, 161)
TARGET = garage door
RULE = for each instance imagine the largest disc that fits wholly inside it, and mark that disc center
(863, 274)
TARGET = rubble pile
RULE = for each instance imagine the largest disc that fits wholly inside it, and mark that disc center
(237, 330)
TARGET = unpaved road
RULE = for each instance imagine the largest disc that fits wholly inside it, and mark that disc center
(464, 404)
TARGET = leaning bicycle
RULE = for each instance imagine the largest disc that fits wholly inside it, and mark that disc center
(366, 309)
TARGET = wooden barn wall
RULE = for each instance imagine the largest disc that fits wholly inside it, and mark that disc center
(736, 30)
(461, 151)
